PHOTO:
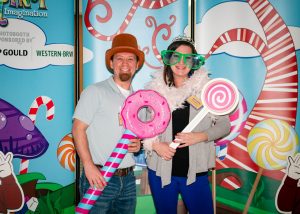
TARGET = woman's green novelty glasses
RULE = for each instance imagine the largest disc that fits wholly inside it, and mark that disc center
(193, 61)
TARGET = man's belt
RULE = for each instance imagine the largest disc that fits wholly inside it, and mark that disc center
(120, 172)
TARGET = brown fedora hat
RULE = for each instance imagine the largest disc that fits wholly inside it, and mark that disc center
(124, 43)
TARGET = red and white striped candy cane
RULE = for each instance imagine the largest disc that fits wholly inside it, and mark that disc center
(41, 100)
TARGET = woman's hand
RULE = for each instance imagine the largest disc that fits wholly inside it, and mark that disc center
(191, 138)
(164, 150)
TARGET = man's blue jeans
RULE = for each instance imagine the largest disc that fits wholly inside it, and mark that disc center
(119, 196)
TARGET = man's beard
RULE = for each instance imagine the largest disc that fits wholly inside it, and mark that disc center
(124, 77)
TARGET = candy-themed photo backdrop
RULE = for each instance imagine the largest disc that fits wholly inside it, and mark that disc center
(258, 50)
(240, 43)
(37, 100)
(255, 44)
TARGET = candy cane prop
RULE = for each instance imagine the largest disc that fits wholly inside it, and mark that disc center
(129, 113)
(219, 97)
(41, 100)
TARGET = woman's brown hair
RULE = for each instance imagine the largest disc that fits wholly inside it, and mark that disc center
(168, 74)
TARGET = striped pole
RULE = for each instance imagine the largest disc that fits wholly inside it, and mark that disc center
(107, 171)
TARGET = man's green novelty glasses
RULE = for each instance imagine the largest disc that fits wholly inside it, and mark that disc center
(193, 61)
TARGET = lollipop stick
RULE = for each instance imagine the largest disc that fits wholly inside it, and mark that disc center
(195, 121)
(253, 190)
(214, 189)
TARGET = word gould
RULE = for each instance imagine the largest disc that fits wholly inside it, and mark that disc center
(12, 52)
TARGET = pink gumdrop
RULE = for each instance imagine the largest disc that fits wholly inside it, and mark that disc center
(237, 122)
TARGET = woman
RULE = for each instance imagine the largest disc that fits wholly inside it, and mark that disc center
(184, 170)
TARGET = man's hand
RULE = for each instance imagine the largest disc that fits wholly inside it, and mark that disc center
(294, 167)
(135, 145)
(94, 177)
(5, 164)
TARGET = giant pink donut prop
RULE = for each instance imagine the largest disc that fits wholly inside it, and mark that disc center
(139, 100)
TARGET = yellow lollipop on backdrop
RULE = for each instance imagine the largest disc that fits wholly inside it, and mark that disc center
(270, 142)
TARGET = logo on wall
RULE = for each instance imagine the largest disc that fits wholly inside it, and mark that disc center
(20, 9)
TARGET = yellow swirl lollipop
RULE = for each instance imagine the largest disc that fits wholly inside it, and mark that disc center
(270, 142)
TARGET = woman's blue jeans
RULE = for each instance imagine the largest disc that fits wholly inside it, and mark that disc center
(197, 196)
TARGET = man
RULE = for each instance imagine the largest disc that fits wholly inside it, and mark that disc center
(97, 128)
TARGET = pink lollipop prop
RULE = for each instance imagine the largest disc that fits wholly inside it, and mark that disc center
(219, 97)
(132, 106)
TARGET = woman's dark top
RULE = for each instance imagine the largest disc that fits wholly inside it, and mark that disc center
(180, 119)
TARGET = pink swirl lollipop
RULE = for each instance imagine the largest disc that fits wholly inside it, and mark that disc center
(219, 97)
